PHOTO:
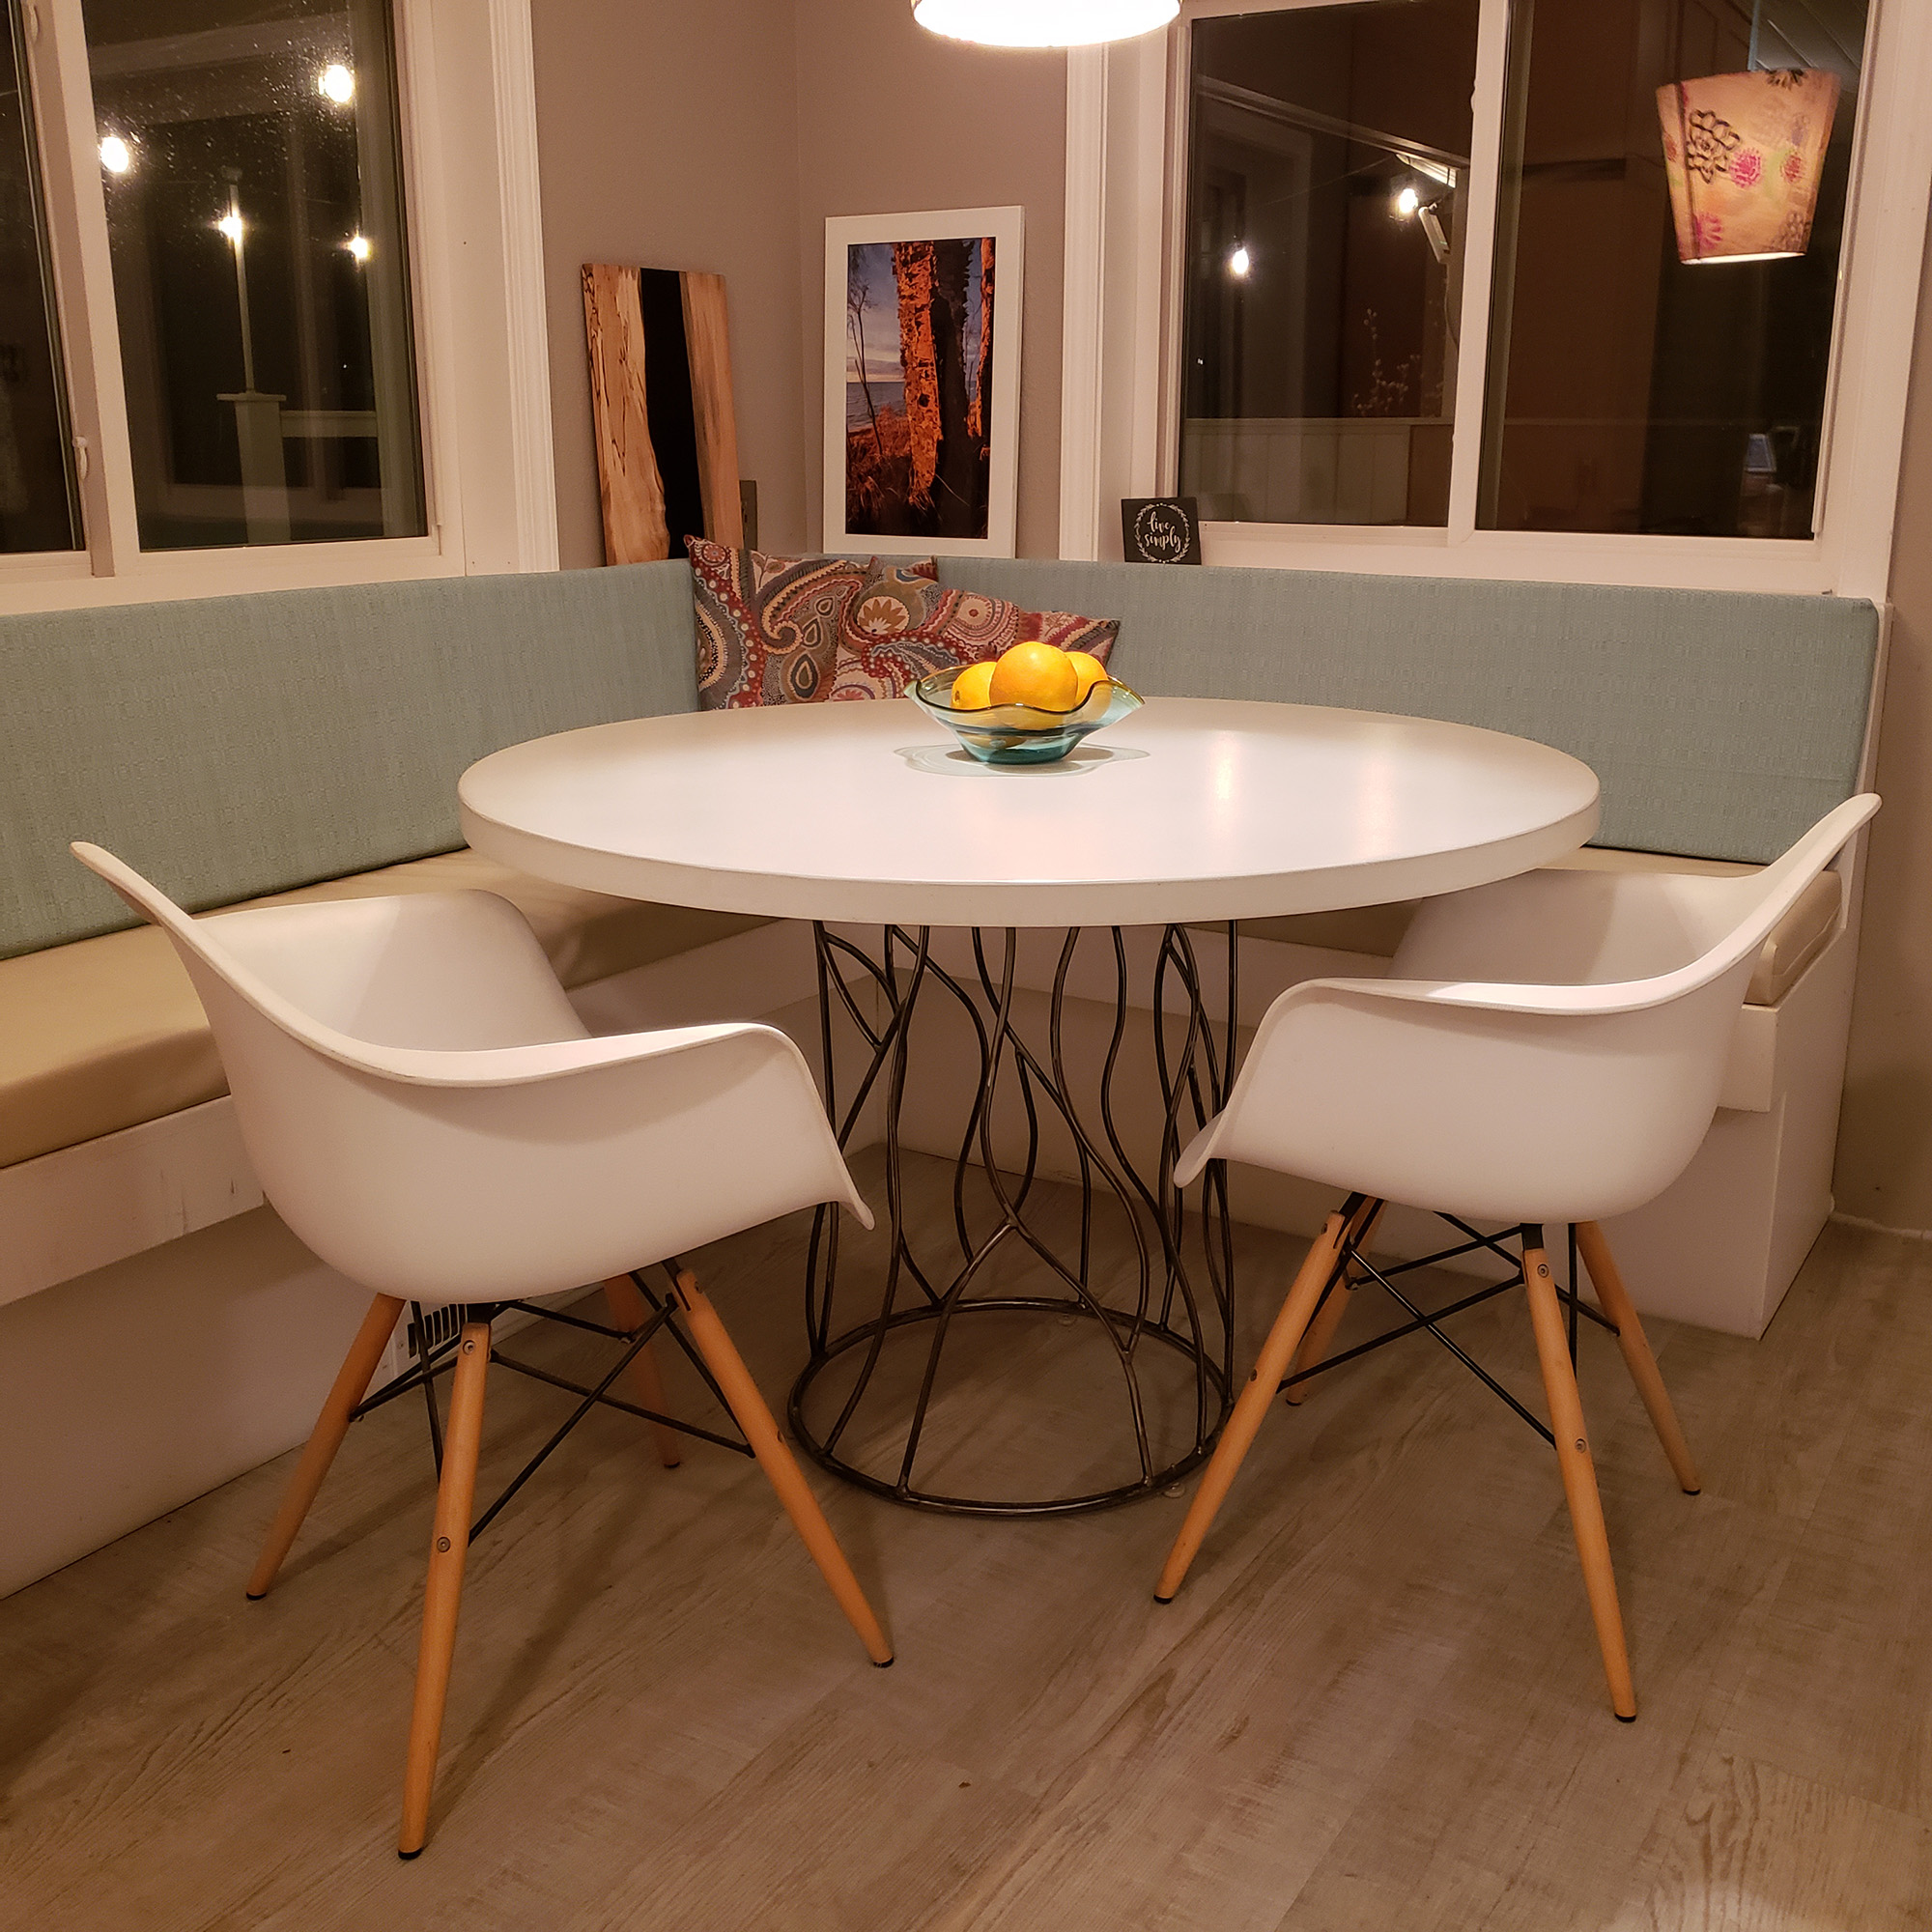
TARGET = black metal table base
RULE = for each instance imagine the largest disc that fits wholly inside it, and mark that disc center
(1167, 1308)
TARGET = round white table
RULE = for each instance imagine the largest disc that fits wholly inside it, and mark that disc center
(1191, 811)
(1192, 808)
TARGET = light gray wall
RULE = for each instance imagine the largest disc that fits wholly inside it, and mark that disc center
(719, 135)
(895, 120)
(668, 136)
(1885, 1139)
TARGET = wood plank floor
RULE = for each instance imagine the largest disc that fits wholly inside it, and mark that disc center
(1377, 1703)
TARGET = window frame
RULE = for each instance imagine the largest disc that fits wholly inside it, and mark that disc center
(1127, 111)
(468, 113)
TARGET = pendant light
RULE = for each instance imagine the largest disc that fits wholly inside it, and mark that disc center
(1042, 24)
(1743, 153)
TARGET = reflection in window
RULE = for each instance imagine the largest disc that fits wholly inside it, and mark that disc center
(1632, 390)
(250, 150)
(1328, 174)
(39, 509)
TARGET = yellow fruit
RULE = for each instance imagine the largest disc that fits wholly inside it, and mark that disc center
(1035, 673)
(972, 688)
(1089, 669)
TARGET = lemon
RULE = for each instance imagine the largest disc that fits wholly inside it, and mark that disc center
(1089, 669)
(972, 688)
(1035, 673)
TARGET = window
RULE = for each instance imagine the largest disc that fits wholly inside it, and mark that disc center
(40, 508)
(1645, 372)
(250, 157)
(1633, 390)
(272, 298)
(1328, 202)
(1675, 261)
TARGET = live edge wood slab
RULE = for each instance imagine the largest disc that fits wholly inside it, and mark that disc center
(661, 397)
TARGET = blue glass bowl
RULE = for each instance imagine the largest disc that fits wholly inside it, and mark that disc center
(1023, 734)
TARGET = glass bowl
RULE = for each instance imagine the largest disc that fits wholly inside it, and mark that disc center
(1023, 734)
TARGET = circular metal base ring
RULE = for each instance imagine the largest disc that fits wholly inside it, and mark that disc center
(913, 1498)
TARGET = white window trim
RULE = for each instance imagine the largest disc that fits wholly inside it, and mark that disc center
(473, 208)
(1123, 162)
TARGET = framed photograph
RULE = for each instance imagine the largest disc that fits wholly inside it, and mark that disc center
(923, 382)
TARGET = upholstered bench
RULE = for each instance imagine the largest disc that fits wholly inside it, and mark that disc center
(311, 740)
(106, 1034)
(1721, 724)
(303, 744)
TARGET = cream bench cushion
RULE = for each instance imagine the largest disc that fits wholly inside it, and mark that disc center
(106, 1032)
(1798, 939)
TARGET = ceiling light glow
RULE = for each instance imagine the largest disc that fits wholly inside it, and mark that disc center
(230, 225)
(1042, 24)
(359, 246)
(1408, 202)
(116, 156)
(1239, 262)
(336, 83)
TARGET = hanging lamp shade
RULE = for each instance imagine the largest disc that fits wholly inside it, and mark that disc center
(1044, 23)
(1743, 153)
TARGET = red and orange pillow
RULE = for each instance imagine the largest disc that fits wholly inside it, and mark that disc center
(787, 630)
(769, 626)
(904, 626)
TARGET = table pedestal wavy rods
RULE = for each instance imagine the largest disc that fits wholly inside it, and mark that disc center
(1175, 1301)
(992, 1351)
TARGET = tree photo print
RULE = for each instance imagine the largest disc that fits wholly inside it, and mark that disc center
(922, 380)
(919, 343)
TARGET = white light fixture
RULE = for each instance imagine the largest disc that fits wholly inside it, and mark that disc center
(116, 156)
(1042, 24)
(1240, 261)
(359, 246)
(336, 83)
(1406, 202)
(230, 225)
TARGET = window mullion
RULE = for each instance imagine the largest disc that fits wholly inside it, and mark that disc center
(1479, 247)
(84, 284)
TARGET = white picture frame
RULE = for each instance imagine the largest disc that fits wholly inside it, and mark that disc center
(882, 504)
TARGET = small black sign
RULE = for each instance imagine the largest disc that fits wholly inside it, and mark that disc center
(1160, 529)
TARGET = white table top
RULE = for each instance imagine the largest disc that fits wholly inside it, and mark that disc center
(1192, 808)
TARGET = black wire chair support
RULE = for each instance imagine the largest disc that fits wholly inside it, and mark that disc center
(1353, 1269)
(439, 1355)
(1164, 1305)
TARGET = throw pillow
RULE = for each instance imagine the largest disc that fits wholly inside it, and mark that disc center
(768, 627)
(900, 628)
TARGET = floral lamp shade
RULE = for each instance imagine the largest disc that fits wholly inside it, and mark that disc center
(1743, 153)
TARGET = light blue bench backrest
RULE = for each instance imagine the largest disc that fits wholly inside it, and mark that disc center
(1721, 724)
(235, 745)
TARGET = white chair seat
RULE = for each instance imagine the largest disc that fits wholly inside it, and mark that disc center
(425, 1109)
(1546, 1050)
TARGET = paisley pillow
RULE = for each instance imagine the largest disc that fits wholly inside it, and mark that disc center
(900, 626)
(768, 627)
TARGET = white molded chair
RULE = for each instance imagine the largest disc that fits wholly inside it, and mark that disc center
(1548, 1049)
(424, 1108)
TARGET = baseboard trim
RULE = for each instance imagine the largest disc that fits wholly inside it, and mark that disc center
(1865, 1227)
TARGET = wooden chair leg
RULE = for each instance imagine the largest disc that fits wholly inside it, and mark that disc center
(443, 1594)
(1284, 1338)
(1320, 1336)
(761, 1432)
(1638, 1358)
(1580, 1476)
(351, 1385)
(626, 1303)
(1315, 1345)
